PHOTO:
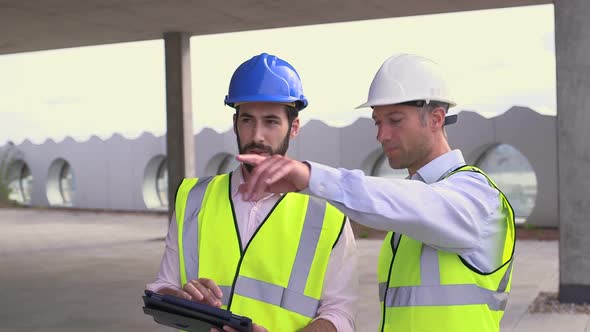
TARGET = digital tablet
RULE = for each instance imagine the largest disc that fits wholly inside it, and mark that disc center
(191, 316)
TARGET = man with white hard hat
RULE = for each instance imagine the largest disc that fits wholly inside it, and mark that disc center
(446, 263)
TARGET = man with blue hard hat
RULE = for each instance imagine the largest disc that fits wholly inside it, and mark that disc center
(287, 261)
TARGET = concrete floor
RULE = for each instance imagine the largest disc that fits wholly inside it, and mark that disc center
(82, 271)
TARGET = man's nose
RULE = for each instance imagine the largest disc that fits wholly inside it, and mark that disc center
(258, 133)
(383, 134)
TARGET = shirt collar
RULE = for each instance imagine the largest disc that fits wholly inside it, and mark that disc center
(439, 167)
(237, 178)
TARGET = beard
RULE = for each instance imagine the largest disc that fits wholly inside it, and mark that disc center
(282, 149)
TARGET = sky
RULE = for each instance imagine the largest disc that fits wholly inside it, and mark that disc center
(494, 59)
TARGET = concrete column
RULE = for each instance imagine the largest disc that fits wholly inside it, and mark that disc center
(572, 48)
(179, 115)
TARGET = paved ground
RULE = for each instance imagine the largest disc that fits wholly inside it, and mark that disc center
(80, 271)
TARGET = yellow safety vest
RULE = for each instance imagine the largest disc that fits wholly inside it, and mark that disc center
(424, 289)
(277, 279)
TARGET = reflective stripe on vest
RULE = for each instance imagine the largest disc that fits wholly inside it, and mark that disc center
(226, 291)
(189, 229)
(292, 298)
(310, 236)
(276, 295)
(444, 295)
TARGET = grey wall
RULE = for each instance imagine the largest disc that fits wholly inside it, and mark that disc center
(320, 142)
(110, 173)
(473, 134)
(360, 147)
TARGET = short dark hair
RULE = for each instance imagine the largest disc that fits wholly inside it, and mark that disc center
(292, 114)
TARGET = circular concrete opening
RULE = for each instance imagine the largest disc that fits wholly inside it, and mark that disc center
(155, 183)
(514, 175)
(228, 164)
(61, 184)
(20, 182)
(221, 163)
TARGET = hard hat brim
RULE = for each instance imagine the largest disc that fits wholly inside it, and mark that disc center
(364, 105)
(300, 103)
(373, 104)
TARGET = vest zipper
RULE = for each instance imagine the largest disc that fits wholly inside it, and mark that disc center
(243, 252)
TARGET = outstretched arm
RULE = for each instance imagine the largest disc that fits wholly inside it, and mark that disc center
(448, 214)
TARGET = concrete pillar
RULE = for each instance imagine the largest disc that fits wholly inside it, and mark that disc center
(572, 48)
(179, 115)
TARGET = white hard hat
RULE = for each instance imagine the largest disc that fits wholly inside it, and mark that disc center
(405, 77)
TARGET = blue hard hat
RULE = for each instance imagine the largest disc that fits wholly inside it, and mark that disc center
(266, 78)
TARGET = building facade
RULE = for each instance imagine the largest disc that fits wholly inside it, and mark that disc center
(517, 149)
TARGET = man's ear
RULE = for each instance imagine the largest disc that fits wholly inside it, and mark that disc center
(295, 128)
(437, 118)
(236, 123)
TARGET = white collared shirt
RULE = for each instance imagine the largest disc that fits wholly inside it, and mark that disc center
(458, 214)
(338, 303)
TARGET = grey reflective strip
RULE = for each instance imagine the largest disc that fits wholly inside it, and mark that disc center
(310, 236)
(382, 289)
(276, 295)
(445, 295)
(190, 231)
(226, 291)
(504, 282)
(429, 270)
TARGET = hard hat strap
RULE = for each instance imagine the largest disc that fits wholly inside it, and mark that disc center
(450, 119)
(415, 103)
